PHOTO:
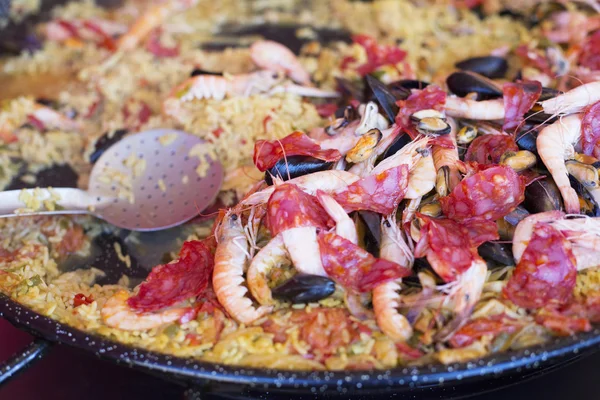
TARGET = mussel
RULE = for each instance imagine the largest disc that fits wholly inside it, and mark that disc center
(305, 289)
(586, 174)
(385, 98)
(536, 115)
(350, 89)
(371, 119)
(462, 83)
(348, 114)
(405, 85)
(496, 254)
(466, 134)
(489, 66)
(365, 146)
(400, 142)
(508, 224)
(369, 229)
(295, 166)
(431, 122)
(518, 160)
(542, 195)
(200, 71)
(104, 142)
(588, 203)
(527, 141)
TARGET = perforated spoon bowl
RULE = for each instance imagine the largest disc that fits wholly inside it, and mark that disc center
(147, 181)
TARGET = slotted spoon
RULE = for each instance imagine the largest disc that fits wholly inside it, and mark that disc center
(166, 192)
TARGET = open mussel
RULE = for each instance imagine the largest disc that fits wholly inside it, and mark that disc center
(104, 142)
(369, 230)
(518, 160)
(295, 166)
(542, 195)
(496, 254)
(492, 67)
(348, 114)
(508, 224)
(365, 146)
(536, 114)
(305, 289)
(463, 83)
(466, 134)
(588, 203)
(401, 141)
(584, 179)
(431, 123)
(405, 85)
(384, 97)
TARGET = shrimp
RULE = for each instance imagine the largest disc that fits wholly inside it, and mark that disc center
(555, 144)
(276, 57)
(228, 281)
(116, 313)
(446, 162)
(150, 20)
(327, 181)
(573, 101)
(463, 295)
(344, 226)
(572, 27)
(54, 119)
(386, 299)
(421, 178)
(244, 85)
(524, 230)
(584, 236)
(409, 155)
(298, 246)
(458, 107)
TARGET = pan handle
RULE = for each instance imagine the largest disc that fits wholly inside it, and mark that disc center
(22, 360)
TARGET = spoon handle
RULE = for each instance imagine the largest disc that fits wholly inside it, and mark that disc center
(41, 201)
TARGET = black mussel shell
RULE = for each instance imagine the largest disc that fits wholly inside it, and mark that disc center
(405, 85)
(401, 141)
(295, 166)
(527, 141)
(492, 67)
(200, 71)
(350, 89)
(462, 83)
(496, 254)
(104, 142)
(305, 289)
(589, 206)
(56, 176)
(384, 97)
(542, 195)
(372, 230)
(549, 93)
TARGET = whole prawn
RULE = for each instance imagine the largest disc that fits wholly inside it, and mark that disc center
(573, 101)
(555, 144)
(116, 313)
(228, 276)
(386, 297)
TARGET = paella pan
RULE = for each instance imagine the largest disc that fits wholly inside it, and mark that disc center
(408, 188)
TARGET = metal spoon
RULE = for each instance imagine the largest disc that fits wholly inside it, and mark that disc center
(166, 192)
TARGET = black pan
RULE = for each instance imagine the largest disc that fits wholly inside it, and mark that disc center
(432, 381)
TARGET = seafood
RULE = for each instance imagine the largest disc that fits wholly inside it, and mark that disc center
(573, 101)
(274, 56)
(445, 160)
(344, 225)
(149, 20)
(555, 144)
(386, 299)
(421, 178)
(231, 258)
(480, 110)
(116, 313)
